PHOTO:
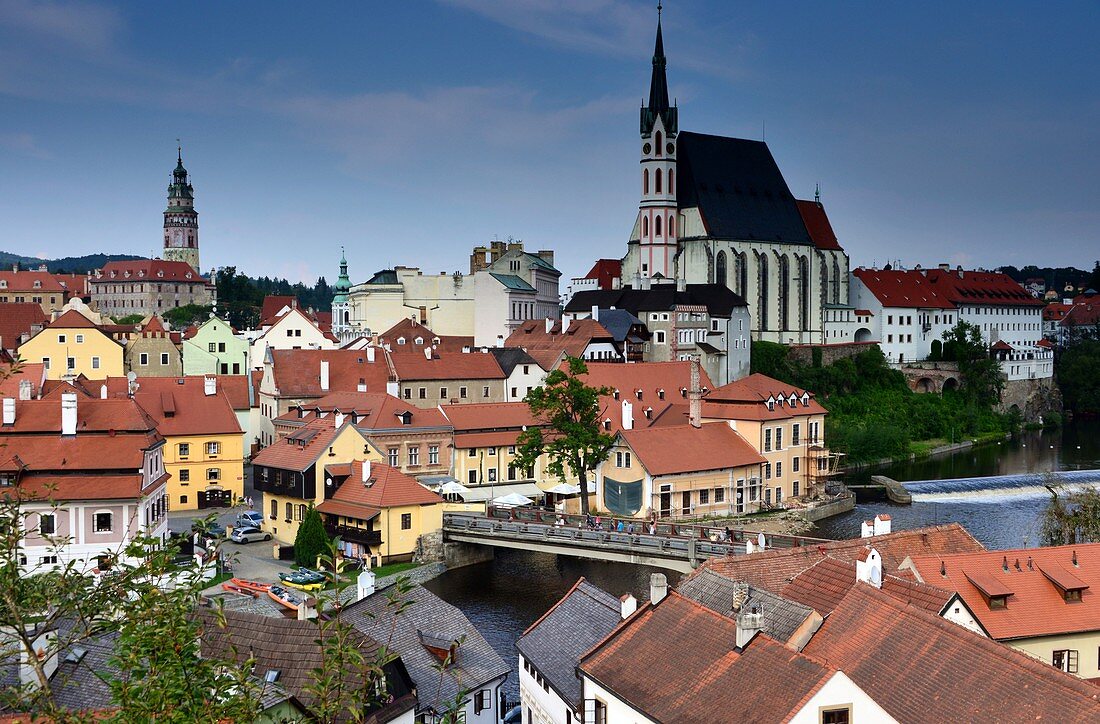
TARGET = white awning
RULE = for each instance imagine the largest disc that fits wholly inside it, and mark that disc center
(482, 493)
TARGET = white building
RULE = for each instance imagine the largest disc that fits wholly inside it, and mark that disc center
(911, 310)
(290, 329)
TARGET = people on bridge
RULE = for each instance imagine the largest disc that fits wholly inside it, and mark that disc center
(620, 527)
(630, 528)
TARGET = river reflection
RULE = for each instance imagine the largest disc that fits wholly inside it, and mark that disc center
(504, 596)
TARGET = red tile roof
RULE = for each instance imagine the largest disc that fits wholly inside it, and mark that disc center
(943, 289)
(154, 269)
(72, 319)
(374, 410)
(487, 416)
(1055, 311)
(411, 330)
(298, 371)
(823, 585)
(389, 488)
(920, 667)
(605, 272)
(1036, 606)
(686, 449)
(546, 348)
(748, 396)
(24, 281)
(818, 226)
(49, 486)
(180, 405)
(33, 372)
(1083, 314)
(676, 662)
(445, 365)
(300, 450)
(273, 303)
(17, 319)
(774, 569)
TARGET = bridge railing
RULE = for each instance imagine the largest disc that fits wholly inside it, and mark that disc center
(665, 529)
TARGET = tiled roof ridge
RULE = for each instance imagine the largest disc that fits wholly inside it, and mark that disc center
(1003, 553)
(1006, 653)
(643, 610)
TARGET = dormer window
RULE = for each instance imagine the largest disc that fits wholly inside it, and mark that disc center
(805, 399)
(401, 340)
(771, 403)
(607, 424)
(1068, 585)
(418, 340)
(37, 284)
(638, 394)
(615, 394)
(661, 394)
(793, 401)
(994, 591)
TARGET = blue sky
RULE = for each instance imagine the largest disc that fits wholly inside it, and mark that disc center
(411, 131)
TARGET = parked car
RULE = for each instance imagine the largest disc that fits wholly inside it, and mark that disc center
(248, 534)
(209, 529)
(249, 518)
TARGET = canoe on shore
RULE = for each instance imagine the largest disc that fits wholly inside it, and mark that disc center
(239, 590)
(285, 597)
(250, 585)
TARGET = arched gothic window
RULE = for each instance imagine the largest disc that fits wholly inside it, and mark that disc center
(660, 144)
(645, 227)
(762, 290)
(836, 282)
(671, 181)
(720, 268)
(657, 181)
(657, 226)
(671, 226)
(645, 181)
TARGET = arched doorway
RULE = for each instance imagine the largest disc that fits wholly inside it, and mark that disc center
(951, 384)
(863, 335)
(926, 385)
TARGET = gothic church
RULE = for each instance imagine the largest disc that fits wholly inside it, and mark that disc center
(717, 210)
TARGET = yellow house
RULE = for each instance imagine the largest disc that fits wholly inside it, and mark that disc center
(72, 345)
(301, 469)
(379, 513)
(678, 472)
(204, 450)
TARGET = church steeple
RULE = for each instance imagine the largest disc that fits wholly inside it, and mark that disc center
(341, 304)
(658, 106)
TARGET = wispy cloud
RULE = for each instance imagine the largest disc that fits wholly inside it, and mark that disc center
(83, 25)
(23, 143)
(618, 28)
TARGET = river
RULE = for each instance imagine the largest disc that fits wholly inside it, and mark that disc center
(1003, 512)
(506, 595)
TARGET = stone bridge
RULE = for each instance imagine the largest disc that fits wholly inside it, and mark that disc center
(679, 547)
(931, 376)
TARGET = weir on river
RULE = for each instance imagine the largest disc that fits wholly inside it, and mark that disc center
(999, 487)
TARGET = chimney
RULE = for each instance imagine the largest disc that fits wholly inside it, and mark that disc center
(867, 529)
(945, 267)
(500, 340)
(627, 605)
(681, 284)
(549, 324)
(364, 585)
(749, 623)
(338, 421)
(370, 354)
(308, 610)
(596, 312)
(324, 375)
(547, 256)
(882, 524)
(869, 567)
(366, 471)
(628, 416)
(103, 392)
(362, 386)
(428, 353)
(393, 389)
(25, 388)
(658, 587)
(695, 397)
(68, 413)
(210, 385)
(565, 324)
(9, 410)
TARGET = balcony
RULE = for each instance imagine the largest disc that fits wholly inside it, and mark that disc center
(354, 535)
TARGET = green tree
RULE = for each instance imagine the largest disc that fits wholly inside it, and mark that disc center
(1094, 278)
(312, 540)
(1070, 516)
(570, 435)
(1078, 371)
(185, 316)
(129, 319)
(983, 382)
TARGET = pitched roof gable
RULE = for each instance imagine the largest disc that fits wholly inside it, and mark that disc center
(684, 448)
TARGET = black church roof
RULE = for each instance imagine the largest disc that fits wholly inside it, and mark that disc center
(738, 188)
(719, 300)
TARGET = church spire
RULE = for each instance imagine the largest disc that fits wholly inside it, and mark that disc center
(659, 106)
